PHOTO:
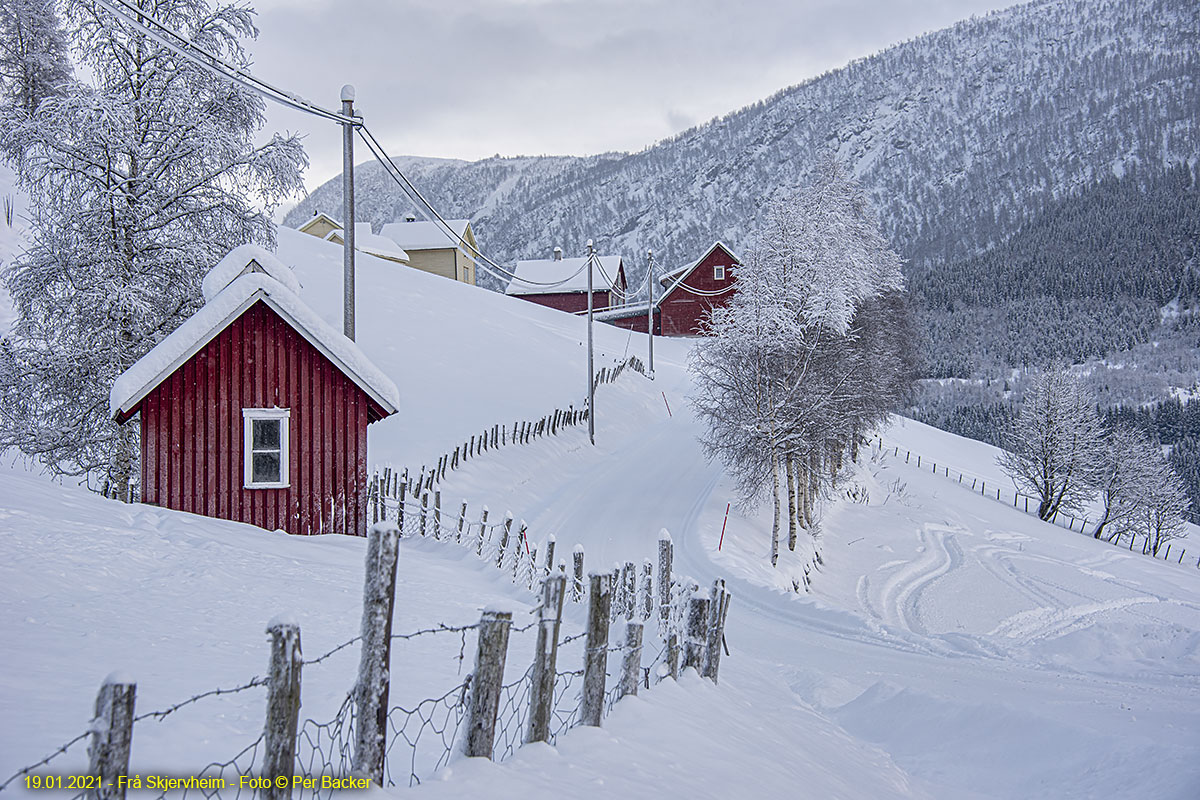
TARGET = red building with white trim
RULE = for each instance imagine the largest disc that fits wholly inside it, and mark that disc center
(255, 409)
(561, 283)
(689, 292)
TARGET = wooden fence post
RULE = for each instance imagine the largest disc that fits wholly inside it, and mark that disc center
(374, 666)
(664, 582)
(595, 660)
(673, 654)
(632, 666)
(400, 507)
(462, 519)
(112, 737)
(647, 590)
(545, 659)
(437, 514)
(618, 594)
(424, 510)
(577, 584)
(550, 542)
(718, 608)
(695, 640)
(486, 682)
(482, 531)
(283, 707)
(502, 550)
(522, 541)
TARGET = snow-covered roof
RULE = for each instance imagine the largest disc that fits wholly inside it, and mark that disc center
(425, 235)
(320, 216)
(244, 260)
(376, 245)
(567, 275)
(622, 312)
(229, 303)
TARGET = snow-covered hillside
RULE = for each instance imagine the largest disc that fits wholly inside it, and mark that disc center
(952, 647)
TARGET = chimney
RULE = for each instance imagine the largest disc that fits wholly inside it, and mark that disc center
(558, 254)
(410, 217)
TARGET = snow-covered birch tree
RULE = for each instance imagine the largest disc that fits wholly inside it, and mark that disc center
(1055, 446)
(34, 64)
(138, 182)
(792, 368)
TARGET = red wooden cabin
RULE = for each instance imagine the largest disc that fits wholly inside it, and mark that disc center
(255, 409)
(561, 283)
(688, 293)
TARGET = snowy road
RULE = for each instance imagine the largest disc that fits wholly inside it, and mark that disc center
(951, 632)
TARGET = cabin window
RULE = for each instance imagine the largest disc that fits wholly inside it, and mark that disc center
(266, 447)
(719, 272)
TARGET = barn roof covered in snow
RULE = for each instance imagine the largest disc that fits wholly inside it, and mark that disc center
(234, 296)
(554, 275)
(425, 235)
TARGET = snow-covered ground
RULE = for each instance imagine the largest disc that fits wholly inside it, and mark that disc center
(952, 647)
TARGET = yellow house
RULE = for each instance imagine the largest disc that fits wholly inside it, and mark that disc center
(431, 249)
(320, 226)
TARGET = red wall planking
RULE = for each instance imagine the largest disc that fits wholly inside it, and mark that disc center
(192, 434)
(681, 311)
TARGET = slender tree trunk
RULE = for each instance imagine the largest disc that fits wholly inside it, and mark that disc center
(775, 499)
(791, 492)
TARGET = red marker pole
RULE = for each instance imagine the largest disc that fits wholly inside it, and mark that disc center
(669, 414)
(723, 524)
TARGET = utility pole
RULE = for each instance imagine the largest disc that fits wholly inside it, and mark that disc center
(348, 212)
(650, 308)
(591, 380)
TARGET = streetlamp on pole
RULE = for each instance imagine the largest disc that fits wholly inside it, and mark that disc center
(348, 212)
(650, 308)
(591, 381)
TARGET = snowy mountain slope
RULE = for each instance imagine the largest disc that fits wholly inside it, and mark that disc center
(957, 135)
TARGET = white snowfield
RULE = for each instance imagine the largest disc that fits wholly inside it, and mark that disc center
(952, 647)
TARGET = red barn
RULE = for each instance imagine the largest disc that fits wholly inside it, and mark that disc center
(689, 292)
(255, 409)
(562, 282)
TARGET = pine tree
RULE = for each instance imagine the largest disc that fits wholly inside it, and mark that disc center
(138, 183)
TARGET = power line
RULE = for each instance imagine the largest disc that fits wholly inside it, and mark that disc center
(180, 45)
(431, 214)
(187, 49)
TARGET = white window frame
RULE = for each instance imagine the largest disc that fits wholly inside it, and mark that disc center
(248, 417)
(719, 272)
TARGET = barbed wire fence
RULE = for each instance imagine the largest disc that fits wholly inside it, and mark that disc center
(1020, 501)
(311, 758)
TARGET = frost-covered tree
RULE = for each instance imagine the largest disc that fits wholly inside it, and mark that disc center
(796, 365)
(1055, 446)
(1125, 461)
(34, 64)
(1160, 506)
(138, 183)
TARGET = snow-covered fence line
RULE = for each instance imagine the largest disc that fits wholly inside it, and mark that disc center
(1021, 501)
(390, 484)
(371, 738)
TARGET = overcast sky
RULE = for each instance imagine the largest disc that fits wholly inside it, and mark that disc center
(472, 78)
